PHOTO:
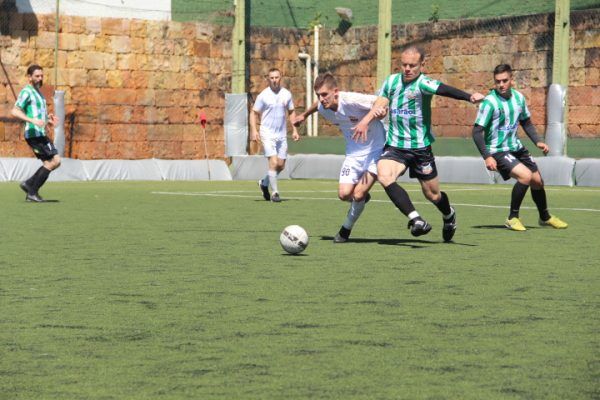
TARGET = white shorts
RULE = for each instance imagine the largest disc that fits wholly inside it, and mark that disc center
(275, 147)
(354, 167)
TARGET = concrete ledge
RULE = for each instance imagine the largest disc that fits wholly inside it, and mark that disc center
(587, 172)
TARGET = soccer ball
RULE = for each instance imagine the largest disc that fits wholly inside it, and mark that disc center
(293, 239)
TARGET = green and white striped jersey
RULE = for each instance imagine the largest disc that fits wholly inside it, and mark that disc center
(409, 124)
(33, 105)
(500, 119)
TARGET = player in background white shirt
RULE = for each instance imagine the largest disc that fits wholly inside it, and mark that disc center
(359, 170)
(272, 107)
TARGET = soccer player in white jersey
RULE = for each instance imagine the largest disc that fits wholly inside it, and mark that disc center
(273, 106)
(406, 96)
(359, 170)
(495, 134)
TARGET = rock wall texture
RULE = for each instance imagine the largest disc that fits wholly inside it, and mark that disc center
(134, 88)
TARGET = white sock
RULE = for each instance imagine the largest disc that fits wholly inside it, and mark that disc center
(356, 208)
(413, 215)
(272, 180)
(265, 180)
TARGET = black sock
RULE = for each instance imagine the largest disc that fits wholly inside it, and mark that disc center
(539, 198)
(33, 179)
(518, 194)
(400, 198)
(39, 179)
(443, 204)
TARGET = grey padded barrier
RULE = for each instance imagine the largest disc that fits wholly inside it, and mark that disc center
(315, 166)
(193, 170)
(70, 169)
(3, 175)
(556, 171)
(18, 169)
(138, 170)
(587, 172)
(245, 168)
(463, 170)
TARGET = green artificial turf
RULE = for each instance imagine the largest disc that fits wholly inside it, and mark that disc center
(180, 290)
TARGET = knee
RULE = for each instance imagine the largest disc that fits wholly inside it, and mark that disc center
(385, 180)
(359, 195)
(54, 163)
(433, 197)
(345, 196)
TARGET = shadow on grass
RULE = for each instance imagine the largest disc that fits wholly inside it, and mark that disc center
(501, 227)
(413, 243)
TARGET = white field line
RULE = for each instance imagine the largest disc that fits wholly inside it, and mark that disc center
(254, 196)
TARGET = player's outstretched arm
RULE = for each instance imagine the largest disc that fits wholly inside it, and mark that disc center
(530, 130)
(299, 119)
(379, 108)
(454, 93)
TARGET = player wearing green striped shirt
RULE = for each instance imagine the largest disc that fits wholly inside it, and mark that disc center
(31, 108)
(495, 134)
(406, 98)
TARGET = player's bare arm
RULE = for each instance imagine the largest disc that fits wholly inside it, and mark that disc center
(20, 114)
(293, 117)
(52, 119)
(379, 108)
(254, 136)
(299, 119)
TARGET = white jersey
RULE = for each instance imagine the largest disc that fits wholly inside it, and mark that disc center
(352, 107)
(274, 109)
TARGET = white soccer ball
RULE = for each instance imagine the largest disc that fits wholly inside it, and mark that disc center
(294, 239)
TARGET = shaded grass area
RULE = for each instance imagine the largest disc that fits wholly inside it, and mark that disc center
(173, 290)
(459, 147)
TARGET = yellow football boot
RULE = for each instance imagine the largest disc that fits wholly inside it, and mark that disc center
(554, 222)
(514, 224)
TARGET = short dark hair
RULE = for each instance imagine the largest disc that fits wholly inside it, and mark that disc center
(32, 68)
(273, 70)
(415, 49)
(502, 68)
(326, 78)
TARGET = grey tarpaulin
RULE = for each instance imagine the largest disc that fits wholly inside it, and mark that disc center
(236, 124)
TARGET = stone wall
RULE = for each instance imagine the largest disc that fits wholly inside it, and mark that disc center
(134, 88)
(463, 54)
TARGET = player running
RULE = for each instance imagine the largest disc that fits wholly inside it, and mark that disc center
(31, 108)
(272, 107)
(495, 134)
(359, 170)
(408, 96)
